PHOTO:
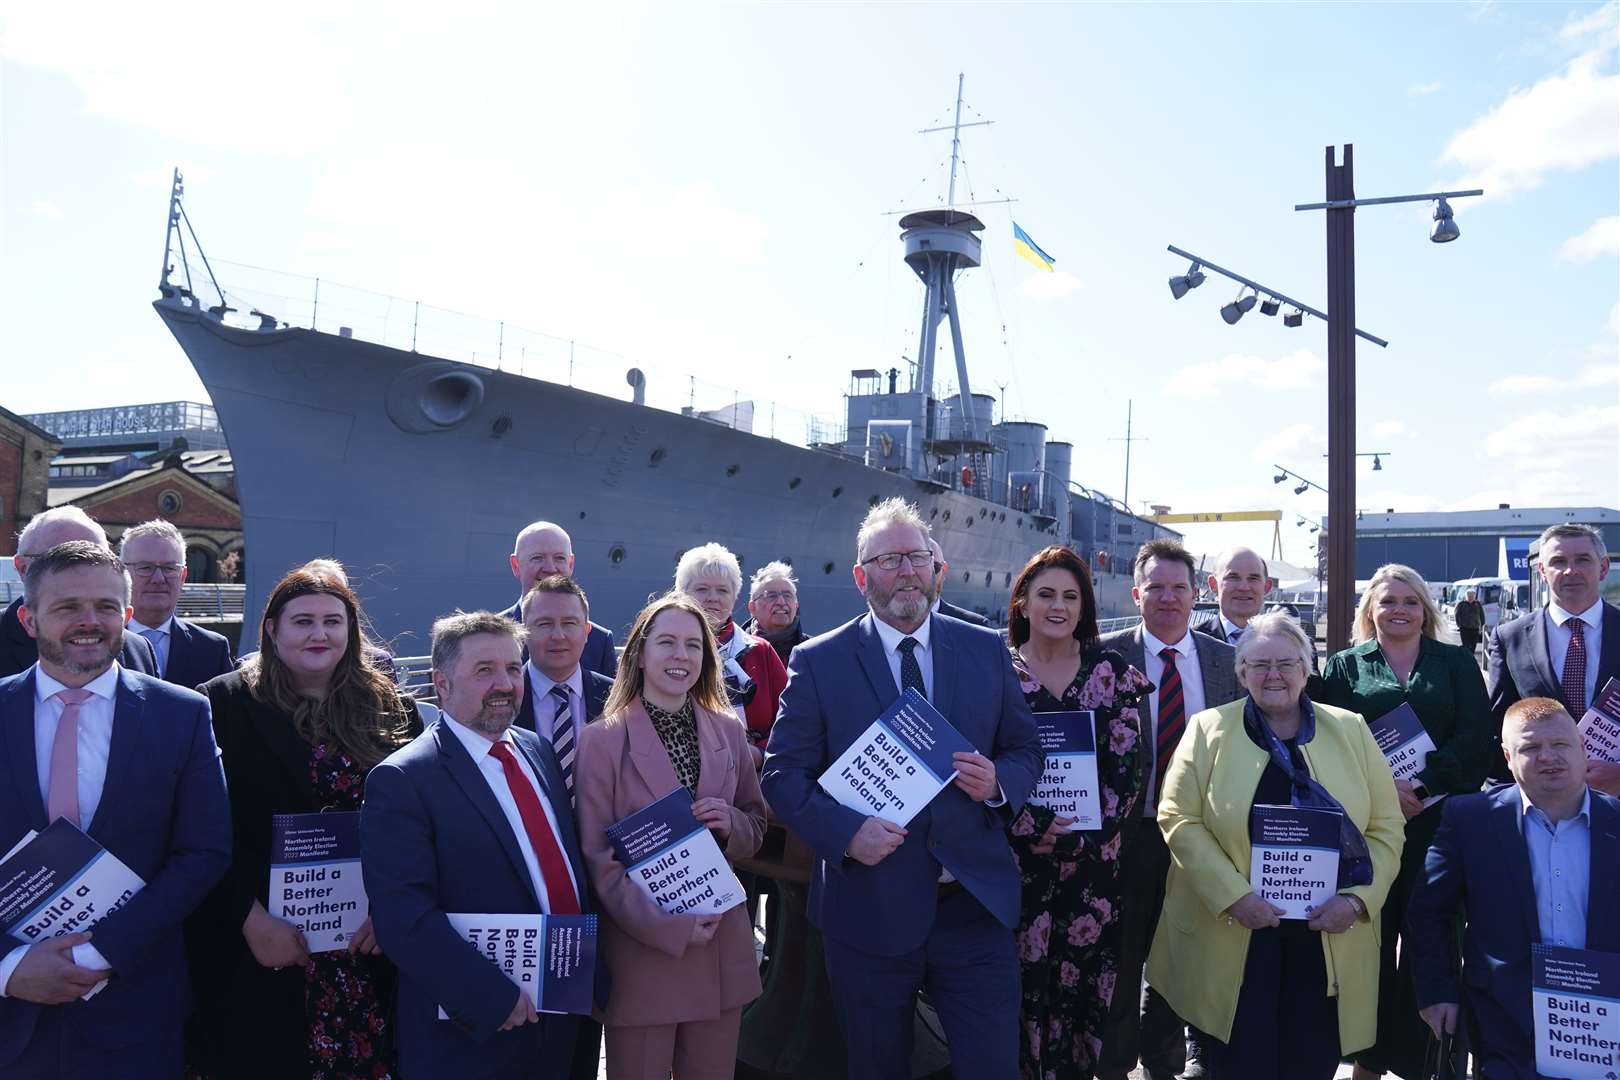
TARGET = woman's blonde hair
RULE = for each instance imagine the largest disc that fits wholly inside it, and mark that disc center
(1434, 626)
(710, 689)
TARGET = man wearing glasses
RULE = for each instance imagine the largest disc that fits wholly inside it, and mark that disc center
(154, 553)
(18, 650)
(931, 905)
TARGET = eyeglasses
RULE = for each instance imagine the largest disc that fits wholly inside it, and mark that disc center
(774, 596)
(1283, 667)
(146, 569)
(891, 560)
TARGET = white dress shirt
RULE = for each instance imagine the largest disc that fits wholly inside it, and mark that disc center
(1559, 633)
(479, 746)
(892, 638)
(1233, 632)
(161, 647)
(540, 685)
(1192, 696)
(95, 741)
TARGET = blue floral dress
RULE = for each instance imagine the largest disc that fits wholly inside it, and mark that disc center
(1069, 929)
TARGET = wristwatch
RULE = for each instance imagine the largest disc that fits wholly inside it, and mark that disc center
(1358, 903)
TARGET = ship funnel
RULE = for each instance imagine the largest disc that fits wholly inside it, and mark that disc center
(638, 385)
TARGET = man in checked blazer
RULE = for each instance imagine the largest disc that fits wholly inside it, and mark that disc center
(1165, 587)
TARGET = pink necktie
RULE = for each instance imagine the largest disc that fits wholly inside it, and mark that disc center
(63, 800)
(1573, 682)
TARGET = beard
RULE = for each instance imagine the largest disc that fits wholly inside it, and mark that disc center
(492, 720)
(55, 652)
(910, 608)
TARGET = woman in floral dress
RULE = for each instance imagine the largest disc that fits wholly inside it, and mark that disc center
(1069, 929)
(298, 727)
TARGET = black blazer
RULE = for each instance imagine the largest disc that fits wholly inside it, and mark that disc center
(196, 655)
(18, 651)
(250, 1021)
(948, 608)
(1211, 625)
(596, 692)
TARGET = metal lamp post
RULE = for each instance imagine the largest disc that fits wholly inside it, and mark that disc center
(1341, 284)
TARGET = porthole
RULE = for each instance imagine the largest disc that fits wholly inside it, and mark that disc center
(970, 522)
(1008, 580)
(933, 511)
(655, 457)
(731, 470)
(988, 575)
(945, 516)
(582, 515)
(501, 426)
(872, 501)
(827, 568)
(983, 511)
(793, 483)
(616, 554)
(837, 491)
(966, 576)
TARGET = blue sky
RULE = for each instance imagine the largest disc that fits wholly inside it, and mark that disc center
(699, 190)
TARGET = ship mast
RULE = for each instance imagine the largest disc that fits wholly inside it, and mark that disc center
(956, 140)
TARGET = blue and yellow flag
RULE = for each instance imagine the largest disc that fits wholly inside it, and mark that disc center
(1030, 250)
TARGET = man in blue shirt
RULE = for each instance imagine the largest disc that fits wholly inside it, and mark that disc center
(1537, 861)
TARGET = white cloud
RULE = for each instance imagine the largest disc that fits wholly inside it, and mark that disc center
(1050, 286)
(1294, 371)
(1563, 122)
(47, 210)
(1424, 89)
(1591, 376)
(1389, 428)
(1601, 238)
(1553, 445)
(1294, 443)
(1601, 25)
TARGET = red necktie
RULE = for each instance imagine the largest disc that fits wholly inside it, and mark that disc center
(553, 867)
(1172, 719)
(1574, 677)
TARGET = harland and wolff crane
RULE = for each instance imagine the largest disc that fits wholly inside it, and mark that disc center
(1219, 516)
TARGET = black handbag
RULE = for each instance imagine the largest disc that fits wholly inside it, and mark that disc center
(1446, 1058)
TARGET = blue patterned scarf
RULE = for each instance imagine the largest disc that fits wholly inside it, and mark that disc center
(1355, 861)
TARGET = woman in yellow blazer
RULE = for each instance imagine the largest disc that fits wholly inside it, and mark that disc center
(1283, 998)
(679, 981)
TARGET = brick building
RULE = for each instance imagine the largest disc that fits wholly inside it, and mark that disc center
(209, 519)
(26, 451)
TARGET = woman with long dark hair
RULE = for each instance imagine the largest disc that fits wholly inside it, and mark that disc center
(679, 981)
(1069, 929)
(298, 727)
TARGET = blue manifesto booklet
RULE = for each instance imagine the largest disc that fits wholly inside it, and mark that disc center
(1294, 862)
(674, 858)
(315, 881)
(899, 763)
(1068, 783)
(1575, 995)
(551, 957)
(60, 881)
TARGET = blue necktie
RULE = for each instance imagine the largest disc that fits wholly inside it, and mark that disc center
(155, 639)
(562, 734)
(910, 670)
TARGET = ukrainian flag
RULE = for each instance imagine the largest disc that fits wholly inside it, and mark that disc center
(1030, 250)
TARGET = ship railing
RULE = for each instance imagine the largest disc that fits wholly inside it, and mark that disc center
(264, 299)
(200, 601)
(1108, 626)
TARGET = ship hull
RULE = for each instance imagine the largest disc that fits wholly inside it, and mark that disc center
(417, 473)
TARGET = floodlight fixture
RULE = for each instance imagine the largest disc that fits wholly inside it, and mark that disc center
(1378, 464)
(1279, 478)
(1240, 306)
(1181, 283)
(1294, 318)
(1270, 305)
(1303, 488)
(1444, 230)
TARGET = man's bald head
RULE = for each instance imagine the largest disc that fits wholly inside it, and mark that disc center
(1241, 581)
(55, 526)
(541, 550)
(941, 568)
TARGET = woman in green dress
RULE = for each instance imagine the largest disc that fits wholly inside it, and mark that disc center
(1399, 658)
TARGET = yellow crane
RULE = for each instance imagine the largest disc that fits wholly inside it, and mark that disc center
(1222, 516)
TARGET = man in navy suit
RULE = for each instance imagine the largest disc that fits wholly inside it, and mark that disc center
(933, 904)
(1533, 862)
(471, 817)
(942, 570)
(1566, 650)
(154, 552)
(130, 760)
(43, 532)
(543, 549)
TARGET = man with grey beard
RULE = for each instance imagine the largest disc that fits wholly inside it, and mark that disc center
(933, 904)
(472, 816)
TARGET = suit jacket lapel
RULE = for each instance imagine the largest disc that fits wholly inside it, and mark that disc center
(1509, 811)
(1602, 931)
(129, 701)
(1219, 680)
(869, 650)
(466, 773)
(1136, 649)
(647, 754)
(942, 642)
(17, 730)
(1609, 659)
(291, 752)
(1540, 658)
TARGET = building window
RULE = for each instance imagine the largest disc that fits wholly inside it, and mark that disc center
(169, 503)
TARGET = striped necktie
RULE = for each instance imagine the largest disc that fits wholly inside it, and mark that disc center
(1172, 718)
(562, 734)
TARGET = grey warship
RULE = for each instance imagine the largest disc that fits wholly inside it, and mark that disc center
(418, 470)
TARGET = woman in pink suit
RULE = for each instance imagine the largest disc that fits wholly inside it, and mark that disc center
(679, 981)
